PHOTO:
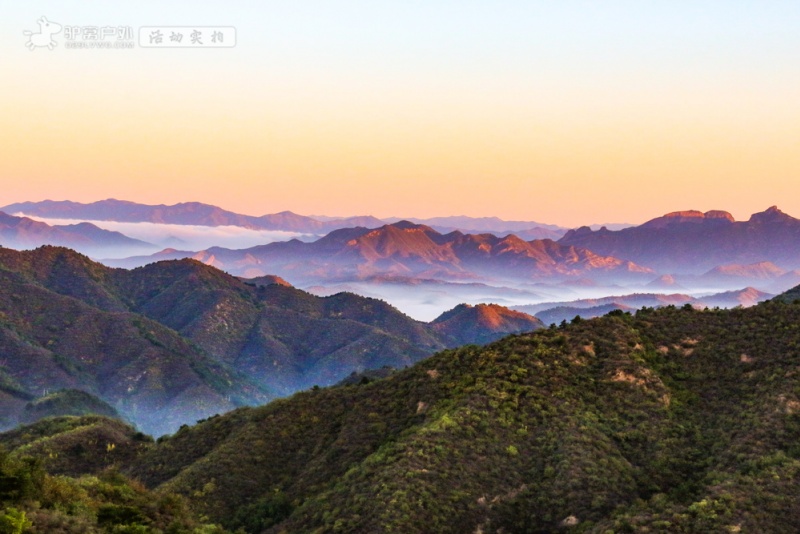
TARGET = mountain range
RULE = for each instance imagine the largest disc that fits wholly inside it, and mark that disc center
(196, 213)
(176, 341)
(670, 420)
(555, 312)
(24, 233)
(410, 250)
(692, 242)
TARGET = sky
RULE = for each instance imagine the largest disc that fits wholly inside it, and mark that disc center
(566, 112)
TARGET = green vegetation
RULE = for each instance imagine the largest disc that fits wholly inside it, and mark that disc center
(66, 402)
(670, 420)
(31, 500)
(673, 420)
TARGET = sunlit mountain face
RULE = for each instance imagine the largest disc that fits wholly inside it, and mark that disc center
(425, 270)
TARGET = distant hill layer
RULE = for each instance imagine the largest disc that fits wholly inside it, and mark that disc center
(196, 213)
(693, 242)
(22, 232)
(555, 312)
(176, 341)
(405, 249)
(66, 402)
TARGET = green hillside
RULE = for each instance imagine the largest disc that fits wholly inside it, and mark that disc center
(670, 420)
(66, 402)
(674, 420)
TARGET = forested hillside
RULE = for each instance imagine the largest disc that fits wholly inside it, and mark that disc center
(672, 420)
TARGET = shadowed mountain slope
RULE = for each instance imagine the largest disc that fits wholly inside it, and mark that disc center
(176, 341)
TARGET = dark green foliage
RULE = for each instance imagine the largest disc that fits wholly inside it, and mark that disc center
(262, 514)
(32, 500)
(66, 402)
(109, 515)
(671, 420)
(78, 445)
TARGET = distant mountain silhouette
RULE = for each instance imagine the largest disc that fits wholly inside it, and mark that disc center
(693, 242)
(527, 230)
(555, 312)
(192, 213)
(567, 313)
(665, 281)
(762, 270)
(411, 250)
(22, 232)
(196, 213)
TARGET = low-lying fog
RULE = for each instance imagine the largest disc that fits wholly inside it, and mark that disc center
(426, 300)
(180, 236)
(423, 300)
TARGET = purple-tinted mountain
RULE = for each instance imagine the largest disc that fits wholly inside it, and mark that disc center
(664, 282)
(694, 242)
(527, 230)
(555, 312)
(174, 341)
(411, 250)
(186, 213)
(22, 232)
(196, 213)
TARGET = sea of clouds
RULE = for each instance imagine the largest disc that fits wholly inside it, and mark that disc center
(182, 237)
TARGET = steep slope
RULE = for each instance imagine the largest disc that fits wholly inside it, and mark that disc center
(148, 372)
(673, 420)
(693, 242)
(283, 337)
(177, 341)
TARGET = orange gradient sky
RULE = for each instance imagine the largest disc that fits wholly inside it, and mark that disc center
(563, 114)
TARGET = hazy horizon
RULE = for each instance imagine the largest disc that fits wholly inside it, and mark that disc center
(743, 216)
